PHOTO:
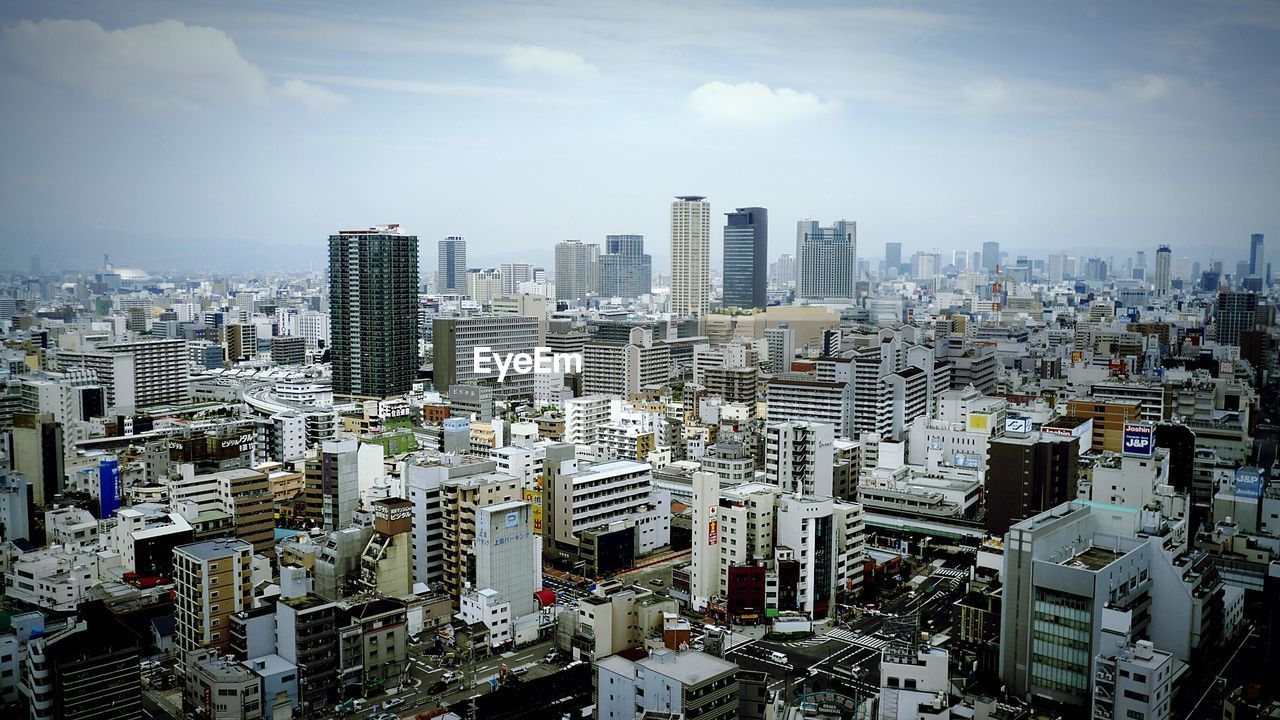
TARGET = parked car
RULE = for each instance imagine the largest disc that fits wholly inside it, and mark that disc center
(551, 657)
(393, 702)
(657, 582)
(519, 671)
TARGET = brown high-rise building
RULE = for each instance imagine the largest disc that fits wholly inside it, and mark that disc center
(212, 580)
(246, 495)
(1028, 475)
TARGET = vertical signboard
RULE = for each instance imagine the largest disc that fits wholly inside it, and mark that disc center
(1139, 439)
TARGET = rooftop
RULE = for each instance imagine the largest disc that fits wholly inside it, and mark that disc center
(214, 549)
(1096, 558)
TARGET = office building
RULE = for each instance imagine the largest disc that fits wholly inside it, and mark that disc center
(892, 259)
(1162, 284)
(1028, 475)
(691, 256)
(1236, 313)
(212, 581)
(746, 253)
(1083, 581)
(451, 266)
(990, 256)
(288, 350)
(454, 343)
(1257, 256)
(242, 341)
(513, 274)
(666, 684)
(373, 306)
(625, 270)
(826, 260)
(576, 269)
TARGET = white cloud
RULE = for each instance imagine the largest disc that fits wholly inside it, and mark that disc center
(1148, 87)
(986, 92)
(309, 94)
(752, 103)
(167, 64)
(546, 61)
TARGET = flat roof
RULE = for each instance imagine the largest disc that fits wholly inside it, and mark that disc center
(213, 549)
(689, 668)
(1096, 558)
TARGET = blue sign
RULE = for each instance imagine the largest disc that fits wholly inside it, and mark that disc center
(965, 460)
(110, 488)
(1249, 482)
(1139, 439)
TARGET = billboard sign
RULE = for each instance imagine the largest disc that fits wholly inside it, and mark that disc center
(1249, 482)
(1017, 424)
(1139, 439)
(110, 487)
(965, 460)
(534, 497)
(713, 527)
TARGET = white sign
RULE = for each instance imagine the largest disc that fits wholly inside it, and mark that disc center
(542, 361)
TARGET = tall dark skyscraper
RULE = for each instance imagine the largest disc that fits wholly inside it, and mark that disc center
(373, 308)
(451, 269)
(1236, 312)
(1257, 262)
(746, 258)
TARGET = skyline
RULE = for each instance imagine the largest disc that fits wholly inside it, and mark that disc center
(155, 131)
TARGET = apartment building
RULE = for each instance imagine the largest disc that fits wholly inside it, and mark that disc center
(799, 457)
(212, 581)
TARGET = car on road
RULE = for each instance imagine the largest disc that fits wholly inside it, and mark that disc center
(657, 582)
(519, 671)
(438, 687)
(551, 657)
(393, 702)
(780, 658)
(384, 716)
(449, 676)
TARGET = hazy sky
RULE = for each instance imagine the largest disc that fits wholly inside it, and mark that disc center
(235, 135)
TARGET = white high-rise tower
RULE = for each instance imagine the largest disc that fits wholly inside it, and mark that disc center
(691, 256)
(1164, 277)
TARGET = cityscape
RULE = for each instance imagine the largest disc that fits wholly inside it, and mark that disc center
(586, 465)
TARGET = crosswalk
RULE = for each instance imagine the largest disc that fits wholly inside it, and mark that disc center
(872, 642)
(957, 573)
